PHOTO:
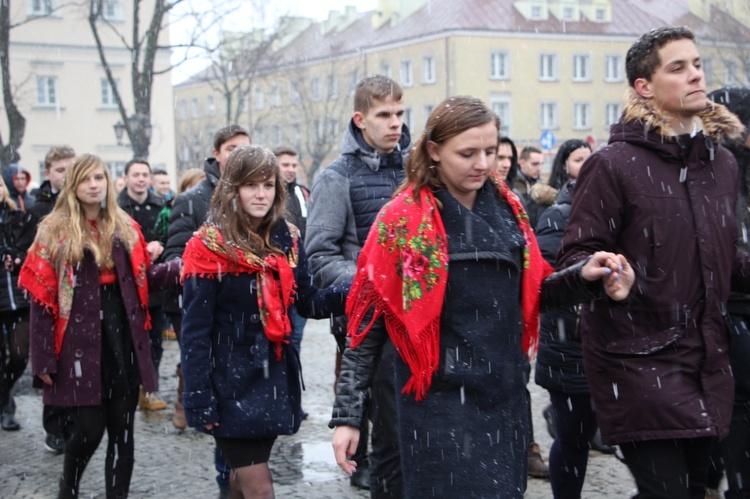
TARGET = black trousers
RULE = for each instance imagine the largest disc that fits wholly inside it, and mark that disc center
(669, 469)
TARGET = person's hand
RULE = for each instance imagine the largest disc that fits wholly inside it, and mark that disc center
(155, 249)
(211, 426)
(616, 273)
(345, 441)
(46, 379)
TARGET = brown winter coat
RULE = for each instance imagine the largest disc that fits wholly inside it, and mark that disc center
(657, 362)
(83, 342)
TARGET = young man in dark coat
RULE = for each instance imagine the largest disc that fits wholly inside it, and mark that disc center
(56, 164)
(346, 197)
(188, 214)
(663, 194)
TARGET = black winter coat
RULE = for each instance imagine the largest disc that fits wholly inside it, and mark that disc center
(44, 204)
(11, 297)
(657, 363)
(230, 369)
(559, 362)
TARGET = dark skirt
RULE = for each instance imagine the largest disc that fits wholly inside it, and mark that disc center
(120, 374)
(240, 452)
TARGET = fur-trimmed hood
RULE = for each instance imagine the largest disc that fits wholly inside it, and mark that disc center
(543, 194)
(718, 122)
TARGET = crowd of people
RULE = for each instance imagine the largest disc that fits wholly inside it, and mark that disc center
(447, 266)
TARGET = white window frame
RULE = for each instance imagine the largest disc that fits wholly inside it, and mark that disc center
(195, 110)
(47, 91)
(499, 65)
(581, 67)
(210, 105)
(276, 138)
(568, 13)
(406, 73)
(409, 118)
(259, 97)
(501, 104)
(582, 115)
(332, 86)
(548, 67)
(427, 110)
(353, 80)
(112, 10)
(182, 109)
(385, 69)
(612, 112)
(294, 95)
(429, 68)
(107, 94)
(708, 70)
(535, 12)
(275, 95)
(613, 69)
(549, 115)
(41, 7)
(730, 74)
(315, 91)
(600, 14)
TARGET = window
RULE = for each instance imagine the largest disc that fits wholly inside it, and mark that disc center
(108, 94)
(548, 115)
(258, 97)
(407, 78)
(294, 91)
(500, 103)
(612, 113)
(332, 85)
(185, 150)
(408, 118)
(276, 135)
(182, 109)
(275, 95)
(730, 74)
(296, 136)
(581, 67)
(259, 137)
(581, 116)
(428, 69)
(548, 67)
(613, 68)
(41, 7)
(385, 69)
(112, 10)
(210, 105)
(599, 15)
(315, 88)
(567, 13)
(353, 80)
(243, 103)
(499, 66)
(194, 108)
(536, 12)
(428, 109)
(708, 70)
(46, 90)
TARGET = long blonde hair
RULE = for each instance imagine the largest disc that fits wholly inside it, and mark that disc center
(67, 233)
(12, 206)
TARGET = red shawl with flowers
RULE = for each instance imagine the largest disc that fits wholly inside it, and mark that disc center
(206, 255)
(52, 283)
(408, 238)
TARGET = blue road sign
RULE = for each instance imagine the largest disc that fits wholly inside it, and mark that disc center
(547, 140)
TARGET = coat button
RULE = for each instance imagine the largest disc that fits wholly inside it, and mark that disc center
(79, 318)
(78, 353)
(255, 318)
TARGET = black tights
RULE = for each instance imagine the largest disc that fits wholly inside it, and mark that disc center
(87, 425)
(14, 353)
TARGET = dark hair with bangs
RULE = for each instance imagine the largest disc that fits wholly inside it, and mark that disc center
(247, 164)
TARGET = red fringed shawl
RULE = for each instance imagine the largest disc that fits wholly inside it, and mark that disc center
(206, 256)
(51, 283)
(408, 239)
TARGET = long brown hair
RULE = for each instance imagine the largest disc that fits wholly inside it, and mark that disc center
(451, 117)
(66, 226)
(6, 196)
(247, 164)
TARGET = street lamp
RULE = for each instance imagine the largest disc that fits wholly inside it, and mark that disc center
(119, 132)
(133, 122)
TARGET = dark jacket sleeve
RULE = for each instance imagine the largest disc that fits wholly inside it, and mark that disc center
(315, 303)
(42, 341)
(27, 233)
(198, 397)
(164, 275)
(182, 223)
(549, 231)
(567, 287)
(358, 366)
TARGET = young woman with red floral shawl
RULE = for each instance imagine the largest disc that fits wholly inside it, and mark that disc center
(88, 274)
(243, 269)
(464, 334)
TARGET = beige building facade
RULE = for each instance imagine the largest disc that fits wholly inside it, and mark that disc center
(543, 65)
(61, 88)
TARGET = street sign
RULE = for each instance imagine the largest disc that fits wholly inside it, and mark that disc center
(547, 140)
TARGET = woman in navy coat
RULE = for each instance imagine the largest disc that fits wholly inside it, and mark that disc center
(88, 275)
(243, 269)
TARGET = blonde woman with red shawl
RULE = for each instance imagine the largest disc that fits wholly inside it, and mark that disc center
(452, 273)
(88, 276)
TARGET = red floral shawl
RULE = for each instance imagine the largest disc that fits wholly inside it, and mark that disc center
(402, 275)
(51, 283)
(206, 256)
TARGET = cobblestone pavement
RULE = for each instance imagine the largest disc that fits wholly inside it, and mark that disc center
(169, 463)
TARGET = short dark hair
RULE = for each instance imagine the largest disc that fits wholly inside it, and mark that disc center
(527, 151)
(227, 133)
(284, 150)
(134, 161)
(56, 153)
(376, 87)
(643, 56)
(159, 171)
(513, 172)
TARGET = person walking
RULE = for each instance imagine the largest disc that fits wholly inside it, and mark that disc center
(88, 274)
(451, 272)
(243, 270)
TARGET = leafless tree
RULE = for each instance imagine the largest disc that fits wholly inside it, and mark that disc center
(729, 34)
